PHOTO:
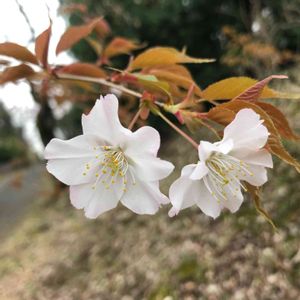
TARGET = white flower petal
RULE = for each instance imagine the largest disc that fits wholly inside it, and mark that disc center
(182, 195)
(94, 201)
(68, 159)
(145, 140)
(225, 146)
(142, 198)
(188, 170)
(200, 171)
(205, 149)
(150, 168)
(103, 120)
(234, 197)
(246, 130)
(260, 157)
(258, 176)
(206, 202)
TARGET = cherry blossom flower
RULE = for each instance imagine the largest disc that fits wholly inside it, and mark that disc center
(110, 163)
(217, 179)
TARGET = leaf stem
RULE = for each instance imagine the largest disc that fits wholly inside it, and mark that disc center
(135, 118)
(178, 130)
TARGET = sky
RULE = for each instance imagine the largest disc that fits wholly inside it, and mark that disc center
(13, 28)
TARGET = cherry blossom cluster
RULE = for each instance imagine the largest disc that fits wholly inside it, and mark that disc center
(109, 164)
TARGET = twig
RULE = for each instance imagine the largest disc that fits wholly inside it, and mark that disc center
(22, 11)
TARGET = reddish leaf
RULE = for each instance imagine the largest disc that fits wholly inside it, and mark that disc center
(74, 34)
(176, 74)
(83, 69)
(42, 46)
(18, 52)
(163, 56)
(254, 92)
(102, 28)
(119, 46)
(230, 88)
(279, 120)
(221, 115)
(14, 73)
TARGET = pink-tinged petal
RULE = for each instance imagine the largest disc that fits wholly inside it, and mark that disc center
(103, 120)
(94, 201)
(200, 171)
(259, 157)
(67, 160)
(205, 149)
(206, 202)
(150, 168)
(146, 140)
(257, 177)
(246, 130)
(142, 198)
(182, 194)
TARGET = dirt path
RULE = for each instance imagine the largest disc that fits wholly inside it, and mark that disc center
(17, 191)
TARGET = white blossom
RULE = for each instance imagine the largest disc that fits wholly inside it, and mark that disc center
(110, 163)
(216, 181)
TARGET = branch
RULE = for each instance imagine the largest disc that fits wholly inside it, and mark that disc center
(99, 81)
(22, 11)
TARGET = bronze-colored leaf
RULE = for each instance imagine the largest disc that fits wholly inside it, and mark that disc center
(221, 115)
(253, 93)
(42, 46)
(119, 46)
(230, 88)
(279, 120)
(83, 69)
(176, 74)
(254, 192)
(12, 74)
(18, 52)
(163, 56)
(74, 34)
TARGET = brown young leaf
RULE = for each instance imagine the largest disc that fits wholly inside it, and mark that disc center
(119, 46)
(42, 46)
(254, 92)
(163, 56)
(152, 84)
(102, 28)
(232, 87)
(279, 120)
(221, 115)
(14, 73)
(83, 69)
(254, 192)
(176, 74)
(274, 141)
(74, 34)
(18, 52)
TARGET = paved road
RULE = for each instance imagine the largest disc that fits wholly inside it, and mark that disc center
(17, 190)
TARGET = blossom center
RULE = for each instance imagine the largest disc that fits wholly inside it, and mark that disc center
(222, 180)
(112, 167)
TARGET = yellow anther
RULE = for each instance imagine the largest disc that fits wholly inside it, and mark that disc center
(84, 174)
(97, 175)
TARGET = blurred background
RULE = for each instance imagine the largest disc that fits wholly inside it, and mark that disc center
(48, 249)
